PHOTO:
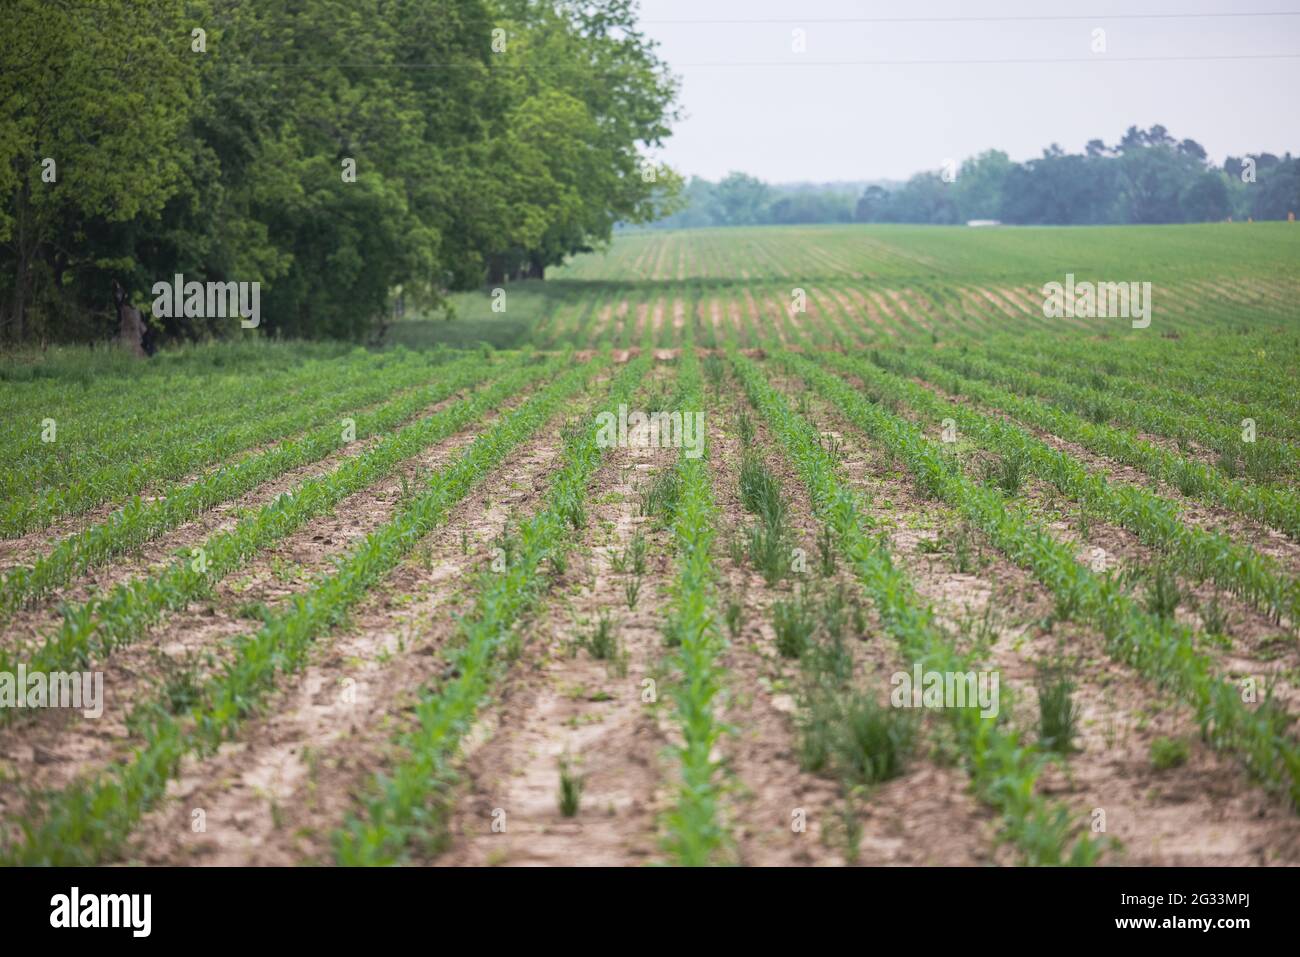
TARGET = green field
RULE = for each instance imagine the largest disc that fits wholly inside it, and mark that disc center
(413, 587)
(866, 283)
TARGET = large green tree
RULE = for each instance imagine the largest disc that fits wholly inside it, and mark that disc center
(338, 152)
(93, 100)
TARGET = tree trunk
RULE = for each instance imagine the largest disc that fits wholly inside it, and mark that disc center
(130, 323)
(496, 270)
(18, 307)
(536, 267)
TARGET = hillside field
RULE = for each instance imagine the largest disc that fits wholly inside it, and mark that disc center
(454, 601)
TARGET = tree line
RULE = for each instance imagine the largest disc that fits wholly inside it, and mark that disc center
(345, 154)
(1147, 177)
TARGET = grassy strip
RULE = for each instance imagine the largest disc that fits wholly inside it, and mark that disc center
(1158, 647)
(1276, 507)
(174, 453)
(695, 835)
(405, 810)
(141, 521)
(1152, 518)
(1003, 768)
(90, 820)
(96, 627)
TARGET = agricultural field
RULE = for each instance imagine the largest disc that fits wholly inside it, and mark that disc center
(467, 599)
(864, 285)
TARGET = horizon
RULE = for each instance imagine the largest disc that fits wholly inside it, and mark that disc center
(990, 78)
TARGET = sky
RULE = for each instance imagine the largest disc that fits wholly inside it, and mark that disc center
(752, 103)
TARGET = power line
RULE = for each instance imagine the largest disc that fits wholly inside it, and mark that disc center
(1097, 58)
(1047, 18)
(801, 62)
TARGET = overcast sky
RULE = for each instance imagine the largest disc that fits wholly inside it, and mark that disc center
(753, 104)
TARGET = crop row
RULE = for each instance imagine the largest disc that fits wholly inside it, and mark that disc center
(402, 810)
(139, 421)
(695, 834)
(1205, 366)
(87, 379)
(1270, 419)
(1156, 645)
(113, 406)
(1003, 768)
(95, 627)
(1153, 519)
(88, 821)
(140, 520)
(1264, 458)
(1276, 507)
(138, 462)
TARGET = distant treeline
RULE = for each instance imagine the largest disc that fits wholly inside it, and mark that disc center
(344, 154)
(742, 200)
(1147, 177)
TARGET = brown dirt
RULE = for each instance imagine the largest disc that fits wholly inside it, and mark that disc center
(923, 817)
(561, 704)
(275, 796)
(51, 746)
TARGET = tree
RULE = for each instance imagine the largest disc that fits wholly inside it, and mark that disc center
(1205, 198)
(873, 206)
(590, 95)
(1279, 190)
(742, 199)
(93, 95)
(333, 151)
(979, 185)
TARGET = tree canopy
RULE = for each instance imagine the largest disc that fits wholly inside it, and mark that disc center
(339, 152)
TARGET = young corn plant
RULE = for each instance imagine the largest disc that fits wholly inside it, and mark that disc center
(394, 817)
(62, 830)
(571, 784)
(1156, 645)
(793, 622)
(695, 835)
(1002, 768)
(1057, 714)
